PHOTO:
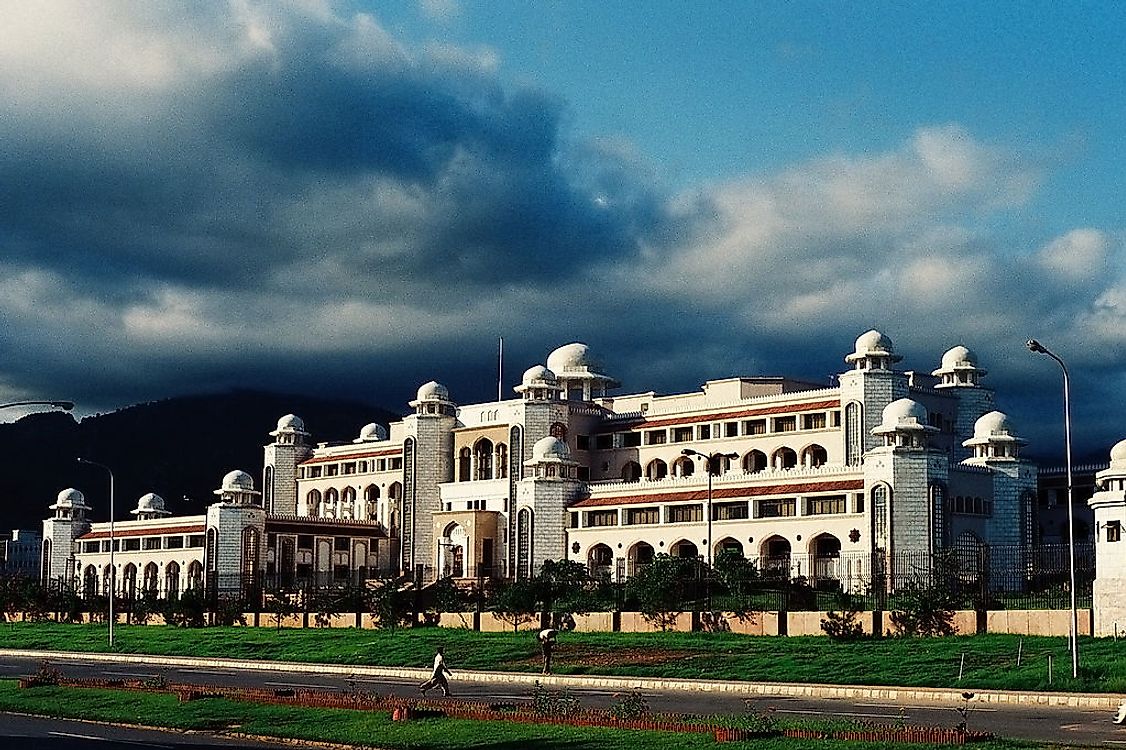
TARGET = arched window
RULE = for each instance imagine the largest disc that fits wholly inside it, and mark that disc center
(558, 431)
(524, 544)
(813, 456)
(129, 581)
(639, 555)
(826, 551)
(394, 498)
(600, 561)
(45, 572)
(195, 576)
(501, 461)
(776, 556)
(172, 580)
(854, 433)
(372, 511)
(90, 582)
(464, 464)
(150, 584)
(881, 510)
(631, 471)
(483, 458)
(250, 551)
(685, 549)
(268, 489)
(754, 462)
(729, 546)
(348, 503)
(937, 499)
(657, 469)
(108, 583)
(211, 555)
(313, 503)
(683, 467)
(784, 458)
(331, 507)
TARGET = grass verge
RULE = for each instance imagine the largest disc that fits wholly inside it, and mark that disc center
(375, 729)
(1001, 662)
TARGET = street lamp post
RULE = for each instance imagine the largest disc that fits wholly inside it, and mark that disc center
(1038, 348)
(112, 567)
(709, 459)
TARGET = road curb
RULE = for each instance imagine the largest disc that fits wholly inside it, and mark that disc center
(882, 693)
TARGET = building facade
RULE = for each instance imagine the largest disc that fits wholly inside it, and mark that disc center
(819, 481)
(809, 478)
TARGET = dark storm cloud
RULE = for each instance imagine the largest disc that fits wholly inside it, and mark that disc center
(288, 196)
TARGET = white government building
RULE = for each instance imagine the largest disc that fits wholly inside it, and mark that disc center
(806, 478)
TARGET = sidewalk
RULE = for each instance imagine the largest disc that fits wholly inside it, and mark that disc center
(886, 694)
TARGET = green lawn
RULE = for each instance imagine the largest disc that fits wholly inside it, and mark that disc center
(376, 728)
(990, 661)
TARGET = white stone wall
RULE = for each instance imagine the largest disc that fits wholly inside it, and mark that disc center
(229, 520)
(284, 459)
(1108, 603)
(61, 533)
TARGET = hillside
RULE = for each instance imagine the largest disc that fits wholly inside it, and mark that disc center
(179, 448)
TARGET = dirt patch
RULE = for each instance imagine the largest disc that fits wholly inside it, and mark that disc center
(620, 657)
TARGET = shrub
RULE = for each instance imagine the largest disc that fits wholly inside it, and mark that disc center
(631, 705)
(842, 626)
(550, 703)
(925, 609)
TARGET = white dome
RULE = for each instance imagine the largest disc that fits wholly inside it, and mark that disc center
(958, 357)
(372, 433)
(291, 422)
(568, 357)
(550, 448)
(238, 481)
(873, 344)
(150, 503)
(993, 428)
(433, 391)
(1118, 455)
(903, 411)
(71, 497)
(538, 373)
(992, 424)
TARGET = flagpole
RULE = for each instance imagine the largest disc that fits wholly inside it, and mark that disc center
(500, 367)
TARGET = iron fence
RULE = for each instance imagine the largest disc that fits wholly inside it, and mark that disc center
(980, 578)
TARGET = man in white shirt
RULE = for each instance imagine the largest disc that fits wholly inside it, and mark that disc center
(438, 676)
(547, 643)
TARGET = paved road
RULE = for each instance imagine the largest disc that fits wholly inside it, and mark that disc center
(34, 733)
(1059, 724)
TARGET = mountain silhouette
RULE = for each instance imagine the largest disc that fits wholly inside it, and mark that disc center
(179, 448)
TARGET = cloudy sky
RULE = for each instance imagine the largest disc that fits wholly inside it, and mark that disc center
(354, 198)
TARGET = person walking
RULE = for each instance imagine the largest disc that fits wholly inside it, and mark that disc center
(438, 676)
(547, 643)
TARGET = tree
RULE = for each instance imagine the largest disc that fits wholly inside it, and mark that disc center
(925, 607)
(659, 589)
(738, 577)
(515, 602)
(280, 604)
(564, 587)
(391, 603)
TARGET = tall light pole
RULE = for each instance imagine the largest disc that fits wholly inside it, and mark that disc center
(1035, 346)
(112, 567)
(709, 459)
